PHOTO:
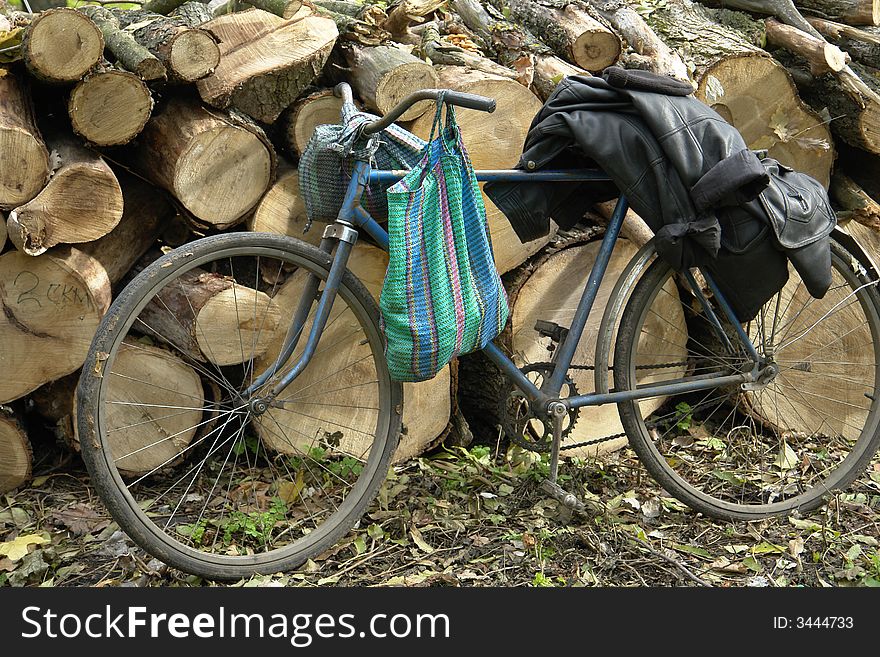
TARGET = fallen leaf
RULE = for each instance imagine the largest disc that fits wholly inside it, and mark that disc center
(32, 564)
(796, 546)
(651, 508)
(19, 547)
(80, 519)
(787, 458)
(419, 540)
(289, 490)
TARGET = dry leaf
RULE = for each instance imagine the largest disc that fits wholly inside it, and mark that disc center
(19, 547)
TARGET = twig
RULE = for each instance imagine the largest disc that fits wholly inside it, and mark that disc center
(665, 557)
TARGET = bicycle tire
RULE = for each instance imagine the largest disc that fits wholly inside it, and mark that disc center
(739, 454)
(300, 496)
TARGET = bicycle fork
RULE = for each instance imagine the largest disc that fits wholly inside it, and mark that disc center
(344, 236)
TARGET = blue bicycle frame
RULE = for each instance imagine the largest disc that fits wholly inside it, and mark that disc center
(342, 235)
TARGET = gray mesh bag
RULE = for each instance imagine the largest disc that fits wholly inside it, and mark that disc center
(327, 162)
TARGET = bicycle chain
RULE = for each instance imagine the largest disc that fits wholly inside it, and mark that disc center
(605, 439)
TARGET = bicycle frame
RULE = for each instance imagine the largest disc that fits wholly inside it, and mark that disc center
(342, 235)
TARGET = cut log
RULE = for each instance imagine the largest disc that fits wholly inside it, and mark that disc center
(651, 52)
(110, 107)
(426, 405)
(15, 453)
(187, 54)
(25, 167)
(856, 203)
(851, 12)
(570, 32)
(433, 49)
(748, 88)
(162, 6)
(783, 10)
(851, 99)
(129, 54)
(151, 436)
(862, 44)
(61, 45)
(81, 203)
(320, 107)
(357, 22)
(821, 56)
(550, 71)
(217, 167)
(494, 141)
(208, 319)
(282, 8)
(406, 13)
(384, 75)
(52, 303)
(282, 210)
(263, 76)
(504, 40)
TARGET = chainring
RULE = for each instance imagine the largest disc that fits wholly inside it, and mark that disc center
(519, 421)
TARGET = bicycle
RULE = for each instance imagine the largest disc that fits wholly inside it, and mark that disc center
(260, 471)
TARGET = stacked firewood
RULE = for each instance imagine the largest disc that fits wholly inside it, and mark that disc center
(123, 132)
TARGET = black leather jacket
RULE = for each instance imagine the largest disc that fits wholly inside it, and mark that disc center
(684, 169)
(671, 155)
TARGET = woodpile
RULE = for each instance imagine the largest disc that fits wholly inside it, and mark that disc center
(125, 132)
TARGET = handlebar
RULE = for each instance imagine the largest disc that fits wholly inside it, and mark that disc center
(469, 101)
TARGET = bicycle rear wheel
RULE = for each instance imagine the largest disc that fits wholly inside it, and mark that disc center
(783, 445)
(190, 466)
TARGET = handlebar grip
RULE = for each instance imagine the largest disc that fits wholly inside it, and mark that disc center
(470, 101)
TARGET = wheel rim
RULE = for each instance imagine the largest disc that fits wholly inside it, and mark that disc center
(246, 491)
(782, 445)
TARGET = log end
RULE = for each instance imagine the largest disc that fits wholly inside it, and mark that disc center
(110, 108)
(221, 195)
(194, 54)
(29, 239)
(15, 455)
(595, 51)
(401, 82)
(62, 45)
(25, 167)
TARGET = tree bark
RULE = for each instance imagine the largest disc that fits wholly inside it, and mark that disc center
(433, 49)
(110, 107)
(26, 160)
(15, 452)
(129, 54)
(187, 54)
(384, 75)
(549, 72)
(217, 167)
(61, 45)
(263, 76)
(162, 6)
(748, 88)
(855, 202)
(851, 12)
(572, 33)
(81, 203)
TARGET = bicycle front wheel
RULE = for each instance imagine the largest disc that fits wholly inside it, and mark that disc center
(187, 461)
(781, 445)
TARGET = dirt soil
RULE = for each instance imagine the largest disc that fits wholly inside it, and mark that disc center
(474, 517)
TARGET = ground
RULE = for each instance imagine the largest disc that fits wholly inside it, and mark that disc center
(474, 517)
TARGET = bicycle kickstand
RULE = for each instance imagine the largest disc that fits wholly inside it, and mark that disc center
(570, 501)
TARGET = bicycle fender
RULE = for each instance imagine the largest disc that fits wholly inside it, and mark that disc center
(850, 243)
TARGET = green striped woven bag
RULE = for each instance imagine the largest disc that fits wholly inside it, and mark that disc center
(442, 295)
